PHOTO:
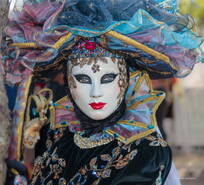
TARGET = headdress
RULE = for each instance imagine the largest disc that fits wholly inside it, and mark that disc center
(151, 32)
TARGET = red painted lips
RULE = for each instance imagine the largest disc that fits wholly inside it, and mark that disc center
(97, 106)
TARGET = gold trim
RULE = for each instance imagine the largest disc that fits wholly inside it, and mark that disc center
(149, 82)
(62, 40)
(154, 96)
(134, 74)
(153, 120)
(21, 118)
(135, 123)
(64, 107)
(114, 34)
(58, 102)
(61, 100)
(112, 133)
(143, 76)
(57, 45)
(74, 122)
(86, 142)
(139, 136)
(139, 82)
(141, 46)
(24, 45)
(58, 125)
(55, 125)
(160, 72)
(160, 99)
(14, 171)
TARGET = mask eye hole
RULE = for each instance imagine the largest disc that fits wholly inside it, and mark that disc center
(82, 78)
(108, 78)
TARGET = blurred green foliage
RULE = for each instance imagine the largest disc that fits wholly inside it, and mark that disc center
(195, 8)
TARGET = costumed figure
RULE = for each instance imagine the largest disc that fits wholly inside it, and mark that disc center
(85, 107)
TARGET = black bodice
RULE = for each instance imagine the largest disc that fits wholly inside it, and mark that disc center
(60, 161)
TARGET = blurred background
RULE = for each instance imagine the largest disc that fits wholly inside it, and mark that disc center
(181, 115)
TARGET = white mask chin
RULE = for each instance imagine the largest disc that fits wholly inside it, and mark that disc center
(96, 88)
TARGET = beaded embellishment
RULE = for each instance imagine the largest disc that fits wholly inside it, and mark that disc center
(90, 49)
(85, 142)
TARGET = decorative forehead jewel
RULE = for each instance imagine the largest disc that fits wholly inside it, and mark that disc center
(90, 49)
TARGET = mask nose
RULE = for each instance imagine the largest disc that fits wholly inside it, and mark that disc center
(96, 90)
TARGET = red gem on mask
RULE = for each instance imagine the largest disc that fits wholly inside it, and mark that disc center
(90, 45)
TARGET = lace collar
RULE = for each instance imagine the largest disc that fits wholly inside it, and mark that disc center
(138, 121)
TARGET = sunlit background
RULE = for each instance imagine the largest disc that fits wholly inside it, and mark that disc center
(185, 127)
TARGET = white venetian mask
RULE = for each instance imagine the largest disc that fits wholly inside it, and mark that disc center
(97, 87)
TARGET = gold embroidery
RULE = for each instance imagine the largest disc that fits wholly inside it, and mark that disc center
(85, 142)
(156, 141)
(116, 160)
(123, 161)
(52, 161)
(38, 166)
(56, 170)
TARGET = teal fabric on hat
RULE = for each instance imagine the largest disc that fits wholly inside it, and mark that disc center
(156, 24)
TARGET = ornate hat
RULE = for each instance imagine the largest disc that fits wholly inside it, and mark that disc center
(151, 33)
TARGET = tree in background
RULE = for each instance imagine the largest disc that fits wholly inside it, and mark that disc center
(195, 8)
(4, 111)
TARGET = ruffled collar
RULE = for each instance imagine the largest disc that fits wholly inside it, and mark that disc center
(138, 121)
